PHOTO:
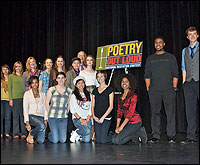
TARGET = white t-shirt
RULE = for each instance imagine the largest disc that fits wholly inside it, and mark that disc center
(82, 108)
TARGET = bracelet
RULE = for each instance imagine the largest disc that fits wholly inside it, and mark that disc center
(79, 118)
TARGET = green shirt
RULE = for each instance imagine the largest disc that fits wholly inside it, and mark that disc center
(15, 89)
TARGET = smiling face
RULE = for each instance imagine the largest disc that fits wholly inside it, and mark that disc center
(48, 64)
(159, 44)
(76, 64)
(81, 55)
(5, 71)
(100, 78)
(60, 79)
(34, 84)
(18, 68)
(32, 64)
(125, 84)
(192, 36)
(80, 85)
(60, 62)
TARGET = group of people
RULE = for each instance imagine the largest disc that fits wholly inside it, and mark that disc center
(56, 102)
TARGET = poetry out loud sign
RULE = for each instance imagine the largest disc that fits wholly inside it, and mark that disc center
(122, 55)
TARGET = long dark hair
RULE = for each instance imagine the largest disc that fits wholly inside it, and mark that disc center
(85, 91)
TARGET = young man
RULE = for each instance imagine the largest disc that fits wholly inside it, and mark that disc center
(161, 78)
(190, 75)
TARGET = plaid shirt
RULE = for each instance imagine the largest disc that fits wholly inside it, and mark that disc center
(44, 77)
(59, 103)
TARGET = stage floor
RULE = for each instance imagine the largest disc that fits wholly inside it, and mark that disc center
(17, 151)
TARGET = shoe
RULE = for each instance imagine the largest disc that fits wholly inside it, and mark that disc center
(16, 137)
(78, 138)
(23, 137)
(8, 136)
(74, 135)
(30, 139)
(142, 135)
(188, 141)
(153, 140)
(171, 140)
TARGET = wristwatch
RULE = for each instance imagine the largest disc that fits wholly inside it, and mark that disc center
(175, 89)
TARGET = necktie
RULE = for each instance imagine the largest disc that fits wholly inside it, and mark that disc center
(192, 52)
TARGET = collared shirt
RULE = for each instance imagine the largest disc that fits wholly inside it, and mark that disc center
(183, 54)
(44, 77)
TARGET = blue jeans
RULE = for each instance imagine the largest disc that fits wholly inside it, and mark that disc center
(18, 114)
(58, 129)
(127, 134)
(84, 131)
(39, 127)
(6, 112)
(101, 131)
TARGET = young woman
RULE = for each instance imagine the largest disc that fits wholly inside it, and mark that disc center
(31, 70)
(80, 107)
(6, 110)
(59, 67)
(44, 76)
(91, 82)
(35, 113)
(131, 127)
(16, 94)
(58, 96)
(102, 105)
(89, 73)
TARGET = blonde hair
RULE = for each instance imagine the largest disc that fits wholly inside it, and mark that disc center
(28, 68)
(14, 66)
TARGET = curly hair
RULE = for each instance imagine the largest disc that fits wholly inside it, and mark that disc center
(131, 78)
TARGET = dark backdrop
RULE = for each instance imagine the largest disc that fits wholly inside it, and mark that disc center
(48, 28)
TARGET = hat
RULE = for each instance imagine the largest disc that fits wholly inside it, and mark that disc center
(76, 58)
(78, 78)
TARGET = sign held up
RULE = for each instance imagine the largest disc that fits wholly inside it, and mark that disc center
(122, 55)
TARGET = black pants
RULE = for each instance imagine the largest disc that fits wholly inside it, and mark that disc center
(169, 99)
(191, 93)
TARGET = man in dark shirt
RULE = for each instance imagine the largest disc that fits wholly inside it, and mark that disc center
(161, 78)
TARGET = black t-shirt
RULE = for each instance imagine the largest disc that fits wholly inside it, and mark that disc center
(161, 69)
(102, 101)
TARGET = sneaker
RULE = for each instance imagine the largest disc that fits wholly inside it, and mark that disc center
(188, 141)
(142, 135)
(23, 137)
(74, 135)
(78, 138)
(171, 140)
(153, 140)
(16, 137)
(8, 136)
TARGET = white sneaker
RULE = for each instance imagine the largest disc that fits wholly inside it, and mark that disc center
(78, 138)
(74, 135)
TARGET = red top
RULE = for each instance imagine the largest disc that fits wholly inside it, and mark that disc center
(127, 107)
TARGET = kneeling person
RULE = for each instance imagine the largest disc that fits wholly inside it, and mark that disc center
(80, 107)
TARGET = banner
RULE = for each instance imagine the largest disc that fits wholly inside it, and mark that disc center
(122, 55)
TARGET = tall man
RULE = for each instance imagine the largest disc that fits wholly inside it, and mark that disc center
(190, 75)
(161, 78)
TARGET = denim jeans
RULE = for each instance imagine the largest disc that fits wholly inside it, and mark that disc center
(127, 134)
(18, 114)
(84, 131)
(101, 131)
(58, 129)
(38, 130)
(6, 112)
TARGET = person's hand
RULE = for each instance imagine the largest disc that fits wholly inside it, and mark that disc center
(96, 119)
(11, 103)
(45, 122)
(83, 122)
(28, 127)
(101, 120)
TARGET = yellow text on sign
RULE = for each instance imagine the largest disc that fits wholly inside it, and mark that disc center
(124, 49)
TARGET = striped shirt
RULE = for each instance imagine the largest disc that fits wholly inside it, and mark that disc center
(59, 103)
(44, 77)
